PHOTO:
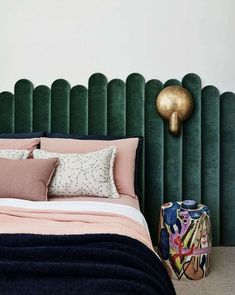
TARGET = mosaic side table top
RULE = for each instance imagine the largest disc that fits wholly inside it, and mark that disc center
(185, 239)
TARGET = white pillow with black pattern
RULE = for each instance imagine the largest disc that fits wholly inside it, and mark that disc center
(89, 174)
(14, 154)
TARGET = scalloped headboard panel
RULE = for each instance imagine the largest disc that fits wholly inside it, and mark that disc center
(200, 164)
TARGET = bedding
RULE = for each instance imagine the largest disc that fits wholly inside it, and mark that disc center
(82, 174)
(107, 138)
(123, 199)
(19, 144)
(26, 179)
(86, 265)
(14, 154)
(74, 217)
(124, 166)
(77, 247)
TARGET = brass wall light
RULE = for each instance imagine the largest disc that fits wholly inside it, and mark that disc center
(174, 103)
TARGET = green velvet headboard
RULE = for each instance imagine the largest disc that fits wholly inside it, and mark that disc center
(200, 164)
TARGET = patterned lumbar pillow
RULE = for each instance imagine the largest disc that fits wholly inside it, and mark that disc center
(14, 154)
(89, 174)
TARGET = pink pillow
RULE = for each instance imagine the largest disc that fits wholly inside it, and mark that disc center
(26, 179)
(124, 165)
(19, 144)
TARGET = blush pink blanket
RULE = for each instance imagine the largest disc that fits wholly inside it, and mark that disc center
(21, 220)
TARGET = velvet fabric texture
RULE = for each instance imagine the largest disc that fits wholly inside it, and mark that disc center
(198, 165)
(22, 135)
(26, 179)
(94, 264)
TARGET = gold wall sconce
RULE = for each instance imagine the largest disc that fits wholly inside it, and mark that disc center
(174, 103)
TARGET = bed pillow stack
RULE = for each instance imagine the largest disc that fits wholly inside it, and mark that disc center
(125, 161)
(87, 166)
(20, 177)
(18, 146)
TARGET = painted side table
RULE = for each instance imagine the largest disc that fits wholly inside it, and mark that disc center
(185, 239)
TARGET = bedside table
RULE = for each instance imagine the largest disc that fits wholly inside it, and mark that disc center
(185, 239)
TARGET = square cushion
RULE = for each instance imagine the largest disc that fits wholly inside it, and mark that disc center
(26, 179)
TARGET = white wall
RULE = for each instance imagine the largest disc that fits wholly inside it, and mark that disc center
(43, 40)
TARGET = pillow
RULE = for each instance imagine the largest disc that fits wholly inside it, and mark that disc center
(108, 137)
(14, 154)
(19, 144)
(125, 162)
(89, 174)
(25, 141)
(86, 137)
(27, 179)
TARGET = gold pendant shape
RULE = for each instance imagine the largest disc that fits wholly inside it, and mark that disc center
(174, 103)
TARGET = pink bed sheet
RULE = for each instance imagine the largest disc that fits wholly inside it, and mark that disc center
(124, 200)
(30, 221)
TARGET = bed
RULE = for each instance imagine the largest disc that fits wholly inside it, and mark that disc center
(77, 247)
(70, 221)
(114, 257)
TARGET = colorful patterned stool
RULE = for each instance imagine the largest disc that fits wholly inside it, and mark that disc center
(185, 239)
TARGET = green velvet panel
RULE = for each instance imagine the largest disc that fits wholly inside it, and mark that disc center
(191, 157)
(7, 113)
(210, 169)
(227, 169)
(116, 108)
(135, 95)
(97, 93)
(23, 106)
(154, 151)
(42, 108)
(198, 165)
(79, 110)
(172, 160)
(60, 106)
(172, 82)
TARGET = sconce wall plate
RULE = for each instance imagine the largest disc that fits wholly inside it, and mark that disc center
(174, 103)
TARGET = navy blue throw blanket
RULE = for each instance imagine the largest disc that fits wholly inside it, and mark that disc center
(91, 264)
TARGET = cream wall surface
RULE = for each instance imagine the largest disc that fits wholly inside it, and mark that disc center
(71, 39)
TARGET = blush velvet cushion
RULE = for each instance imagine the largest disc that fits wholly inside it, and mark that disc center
(26, 179)
(124, 165)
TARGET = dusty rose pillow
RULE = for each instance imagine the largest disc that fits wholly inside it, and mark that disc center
(124, 165)
(26, 179)
(19, 144)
